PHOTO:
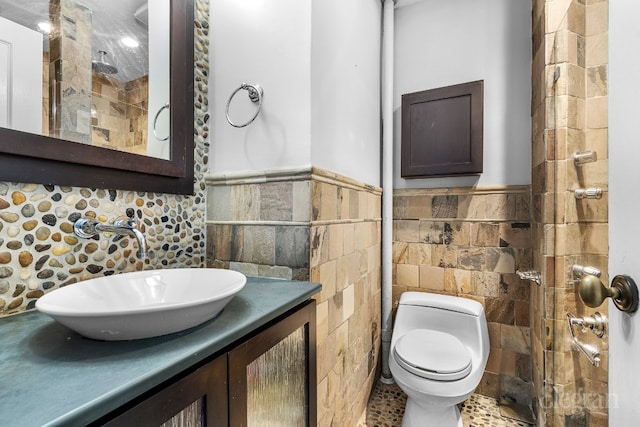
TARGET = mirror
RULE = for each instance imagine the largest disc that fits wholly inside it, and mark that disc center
(90, 120)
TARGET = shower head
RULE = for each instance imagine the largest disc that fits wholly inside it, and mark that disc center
(102, 66)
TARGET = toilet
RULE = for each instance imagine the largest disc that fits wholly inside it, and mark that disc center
(439, 349)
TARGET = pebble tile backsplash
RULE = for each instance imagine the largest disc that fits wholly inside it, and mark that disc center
(39, 251)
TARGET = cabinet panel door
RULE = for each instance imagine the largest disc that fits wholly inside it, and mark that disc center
(272, 376)
(198, 399)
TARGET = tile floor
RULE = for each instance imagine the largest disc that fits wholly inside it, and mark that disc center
(386, 407)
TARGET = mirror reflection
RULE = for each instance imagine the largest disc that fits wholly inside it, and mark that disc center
(89, 71)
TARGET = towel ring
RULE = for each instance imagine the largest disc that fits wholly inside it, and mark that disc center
(156, 121)
(255, 95)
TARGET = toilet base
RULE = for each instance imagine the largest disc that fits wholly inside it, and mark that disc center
(430, 416)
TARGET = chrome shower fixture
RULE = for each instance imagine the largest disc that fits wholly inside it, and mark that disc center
(102, 66)
(531, 275)
(580, 159)
(588, 193)
(597, 323)
(580, 271)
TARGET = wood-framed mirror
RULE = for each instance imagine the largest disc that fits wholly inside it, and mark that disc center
(32, 158)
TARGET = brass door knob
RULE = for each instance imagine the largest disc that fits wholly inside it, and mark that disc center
(623, 292)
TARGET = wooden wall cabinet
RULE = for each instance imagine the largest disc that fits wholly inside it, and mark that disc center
(442, 131)
(267, 378)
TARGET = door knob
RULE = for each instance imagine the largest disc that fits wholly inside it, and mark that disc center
(623, 292)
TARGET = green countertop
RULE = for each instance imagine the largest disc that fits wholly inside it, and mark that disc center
(51, 376)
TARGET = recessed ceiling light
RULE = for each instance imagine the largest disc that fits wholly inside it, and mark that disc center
(44, 26)
(129, 42)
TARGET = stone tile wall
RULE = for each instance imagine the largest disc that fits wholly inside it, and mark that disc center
(137, 101)
(469, 242)
(45, 93)
(311, 224)
(38, 250)
(119, 113)
(259, 224)
(345, 258)
(569, 116)
(70, 70)
(543, 205)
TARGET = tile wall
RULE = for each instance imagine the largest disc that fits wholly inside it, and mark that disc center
(45, 93)
(259, 224)
(569, 115)
(70, 50)
(469, 242)
(311, 224)
(38, 250)
(119, 114)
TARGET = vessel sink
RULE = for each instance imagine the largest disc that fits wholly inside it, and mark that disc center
(142, 304)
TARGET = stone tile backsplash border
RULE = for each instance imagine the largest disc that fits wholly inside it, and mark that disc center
(38, 250)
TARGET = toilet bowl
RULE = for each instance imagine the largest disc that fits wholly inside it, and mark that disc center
(439, 349)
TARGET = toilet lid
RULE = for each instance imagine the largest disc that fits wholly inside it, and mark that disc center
(434, 355)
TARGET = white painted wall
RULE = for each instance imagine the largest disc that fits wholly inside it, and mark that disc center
(20, 77)
(319, 64)
(159, 13)
(624, 227)
(345, 87)
(441, 43)
(268, 43)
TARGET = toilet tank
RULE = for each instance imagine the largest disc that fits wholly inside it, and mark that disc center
(461, 317)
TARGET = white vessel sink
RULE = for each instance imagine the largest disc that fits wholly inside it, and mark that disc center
(143, 304)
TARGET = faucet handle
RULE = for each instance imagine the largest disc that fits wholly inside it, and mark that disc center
(85, 228)
(125, 221)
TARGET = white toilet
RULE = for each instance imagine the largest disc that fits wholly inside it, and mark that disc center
(439, 349)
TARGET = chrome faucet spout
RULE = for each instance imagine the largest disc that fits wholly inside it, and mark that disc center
(142, 244)
(88, 228)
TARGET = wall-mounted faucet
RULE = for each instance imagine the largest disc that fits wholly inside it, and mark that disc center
(88, 228)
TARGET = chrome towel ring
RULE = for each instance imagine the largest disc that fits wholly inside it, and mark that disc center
(155, 121)
(255, 95)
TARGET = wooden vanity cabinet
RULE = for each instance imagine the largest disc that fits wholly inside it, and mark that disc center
(272, 376)
(199, 397)
(269, 378)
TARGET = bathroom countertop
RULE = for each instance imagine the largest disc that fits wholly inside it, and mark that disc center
(51, 376)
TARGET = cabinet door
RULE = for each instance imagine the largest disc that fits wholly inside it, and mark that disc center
(272, 376)
(196, 400)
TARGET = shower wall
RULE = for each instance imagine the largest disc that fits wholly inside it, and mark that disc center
(70, 71)
(45, 93)
(119, 113)
(569, 115)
